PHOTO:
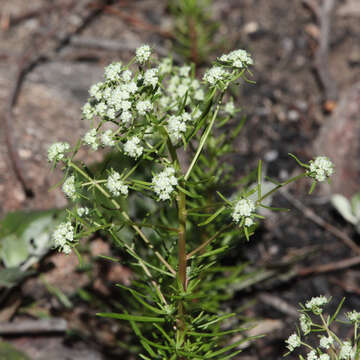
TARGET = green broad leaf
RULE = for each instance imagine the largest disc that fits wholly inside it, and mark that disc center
(344, 207)
(26, 236)
(9, 277)
(355, 205)
(8, 352)
(128, 317)
(213, 216)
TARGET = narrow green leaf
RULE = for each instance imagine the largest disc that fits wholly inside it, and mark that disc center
(213, 216)
(128, 317)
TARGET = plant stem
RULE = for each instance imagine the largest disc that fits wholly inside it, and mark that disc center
(182, 238)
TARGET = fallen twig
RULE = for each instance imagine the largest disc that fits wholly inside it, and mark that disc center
(279, 304)
(310, 214)
(323, 15)
(334, 266)
(53, 325)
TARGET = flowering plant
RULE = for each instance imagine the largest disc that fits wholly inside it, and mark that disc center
(168, 124)
(329, 345)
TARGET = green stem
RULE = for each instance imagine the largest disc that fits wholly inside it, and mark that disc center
(276, 188)
(202, 142)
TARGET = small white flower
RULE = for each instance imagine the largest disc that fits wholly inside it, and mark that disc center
(316, 303)
(111, 114)
(90, 139)
(248, 222)
(115, 185)
(118, 97)
(346, 351)
(312, 355)
(132, 147)
(215, 74)
(199, 95)
(195, 84)
(184, 71)
(151, 77)
(126, 75)
(143, 54)
(164, 182)
(238, 58)
(107, 138)
(66, 249)
(182, 89)
(305, 324)
(96, 91)
(131, 87)
(88, 111)
(143, 107)
(321, 168)
(293, 342)
(113, 71)
(101, 109)
(81, 211)
(165, 66)
(57, 150)
(126, 117)
(229, 107)
(176, 127)
(326, 342)
(243, 208)
(69, 187)
(353, 316)
(63, 233)
(324, 357)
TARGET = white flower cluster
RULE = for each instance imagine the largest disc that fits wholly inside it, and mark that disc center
(69, 187)
(312, 355)
(177, 126)
(346, 351)
(144, 106)
(293, 342)
(326, 342)
(143, 54)
(244, 209)
(151, 77)
(216, 74)
(115, 185)
(113, 71)
(164, 182)
(90, 139)
(353, 316)
(321, 168)
(63, 234)
(107, 138)
(315, 304)
(229, 107)
(305, 324)
(57, 151)
(237, 58)
(83, 211)
(132, 147)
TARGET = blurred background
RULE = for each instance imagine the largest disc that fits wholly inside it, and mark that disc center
(306, 101)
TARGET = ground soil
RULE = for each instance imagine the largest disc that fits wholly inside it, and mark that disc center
(285, 112)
